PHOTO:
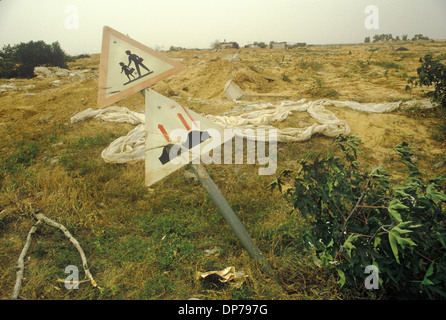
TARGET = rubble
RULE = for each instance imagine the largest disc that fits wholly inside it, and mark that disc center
(56, 72)
(232, 91)
(12, 87)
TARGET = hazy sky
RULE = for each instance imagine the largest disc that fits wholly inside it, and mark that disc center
(77, 24)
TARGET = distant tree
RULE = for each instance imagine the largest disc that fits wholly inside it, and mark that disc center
(216, 44)
(389, 37)
(58, 57)
(419, 37)
(173, 48)
(296, 45)
(235, 45)
(19, 60)
(8, 67)
(367, 40)
(260, 44)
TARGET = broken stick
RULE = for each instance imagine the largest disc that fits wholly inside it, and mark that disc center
(21, 265)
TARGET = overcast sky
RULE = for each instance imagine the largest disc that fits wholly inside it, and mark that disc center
(77, 24)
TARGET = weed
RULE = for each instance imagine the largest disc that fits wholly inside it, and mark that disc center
(77, 157)
(319, 82)
(388, 65)
(361, 66)
(285, 78)
(438, 132)
(304, 65)
(314, 65)
(23, 157)
(40, 251)
(323, 92)
(404, 56)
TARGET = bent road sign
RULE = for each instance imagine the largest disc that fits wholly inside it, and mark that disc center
(127, 66)
(176, 136)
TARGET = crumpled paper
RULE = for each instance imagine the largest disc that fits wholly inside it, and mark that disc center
(228, 275)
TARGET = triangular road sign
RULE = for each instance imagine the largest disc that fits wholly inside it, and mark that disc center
(177, 136)
(128, 66)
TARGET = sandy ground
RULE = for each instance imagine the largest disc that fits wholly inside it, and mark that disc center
(340, 72)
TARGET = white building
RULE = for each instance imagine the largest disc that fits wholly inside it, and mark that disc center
(278, 45)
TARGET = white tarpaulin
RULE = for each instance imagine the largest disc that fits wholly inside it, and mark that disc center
(124, 149)
(131, 147)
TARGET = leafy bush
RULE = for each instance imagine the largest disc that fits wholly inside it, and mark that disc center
(357, 219)
(432, 72)
(19, 60)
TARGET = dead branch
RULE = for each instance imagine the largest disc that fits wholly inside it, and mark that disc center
(41, 218)
(21, 263)
(53, 223)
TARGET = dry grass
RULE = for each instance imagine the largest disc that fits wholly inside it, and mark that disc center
(149, 245)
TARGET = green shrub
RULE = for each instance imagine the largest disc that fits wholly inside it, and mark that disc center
(358, 219)
(19, 60)
(24, 156)
(438, 132)
(285, 78)
(432, 72)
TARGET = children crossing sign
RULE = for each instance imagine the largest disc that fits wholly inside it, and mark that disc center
(175, 136)
(127, 66)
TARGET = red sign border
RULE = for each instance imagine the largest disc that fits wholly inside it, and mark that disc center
(103, 101)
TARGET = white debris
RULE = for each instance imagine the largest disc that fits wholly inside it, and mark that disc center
(232, 91)
(12, 87)
(132, 146)
(232, 57)
(190, 176)
(56, 72)
(55, 83)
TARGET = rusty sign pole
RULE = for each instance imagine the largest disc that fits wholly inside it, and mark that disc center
(229, 215)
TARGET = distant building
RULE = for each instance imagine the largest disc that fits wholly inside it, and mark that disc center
(278, 45)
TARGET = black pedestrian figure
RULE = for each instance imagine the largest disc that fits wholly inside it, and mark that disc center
(128, 71)
(137, 61)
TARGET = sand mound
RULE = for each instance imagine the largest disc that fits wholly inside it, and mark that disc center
(248, 80)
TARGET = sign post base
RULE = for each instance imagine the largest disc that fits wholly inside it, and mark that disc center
(230, 217)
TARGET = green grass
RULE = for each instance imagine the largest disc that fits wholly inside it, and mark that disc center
(313, 65)
(141, 244)
(22, 157)
(438, 132)
(388, 65)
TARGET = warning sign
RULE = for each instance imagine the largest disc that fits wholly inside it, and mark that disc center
(176, 136)
(128, 66)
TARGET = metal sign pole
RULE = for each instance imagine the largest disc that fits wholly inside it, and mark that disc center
(229, 215)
